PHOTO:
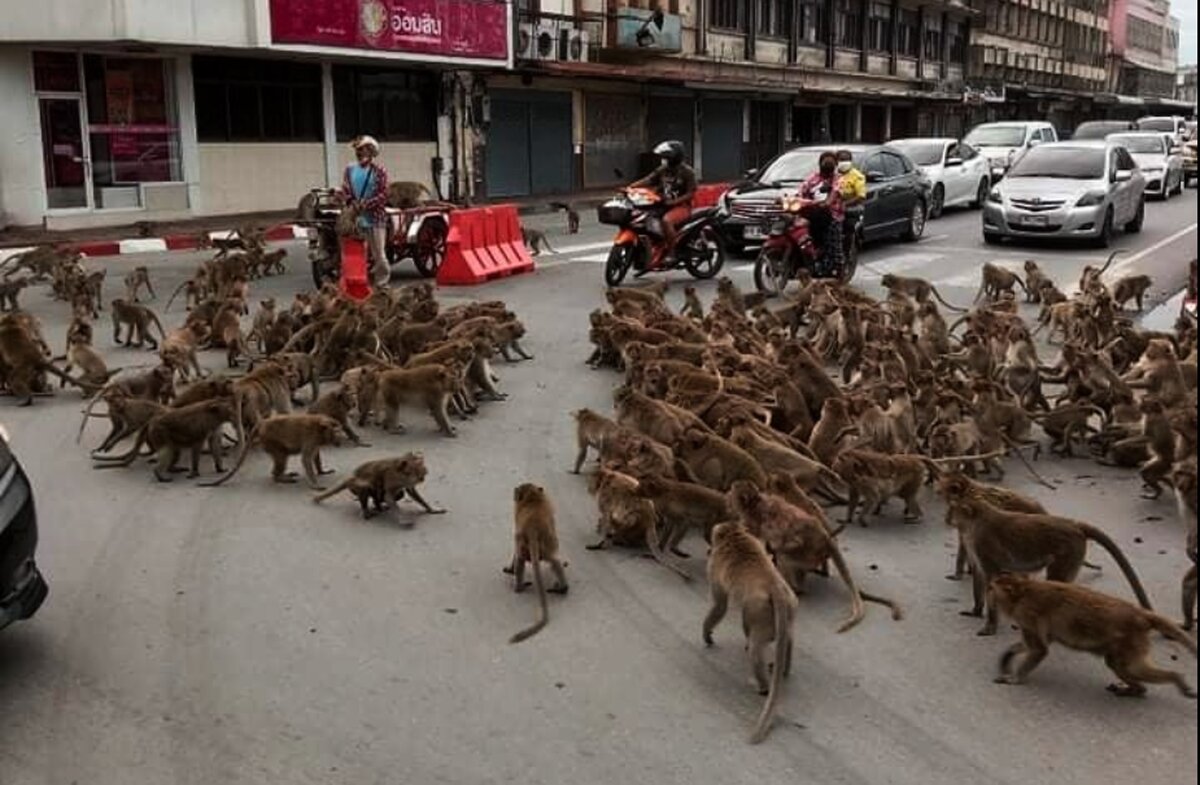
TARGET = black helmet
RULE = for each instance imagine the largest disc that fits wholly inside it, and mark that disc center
(670, 151)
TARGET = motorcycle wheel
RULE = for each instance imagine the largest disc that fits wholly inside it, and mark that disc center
(849, 260)
(705, 254)
(620, 259)
(773, 270)
(431, 247)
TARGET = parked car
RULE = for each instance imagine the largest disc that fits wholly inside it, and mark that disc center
(22, 588)
(1078, 190)
(1001, 143)
(1174, 124)
(1159, 160)
(1099, 129)
(1188, 159)
(897, 202)
(958, 174)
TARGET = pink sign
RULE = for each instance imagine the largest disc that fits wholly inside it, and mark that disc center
(452, 28)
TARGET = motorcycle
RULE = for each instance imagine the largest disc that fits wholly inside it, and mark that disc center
(790, 246)
(639, 244)
(418, 234)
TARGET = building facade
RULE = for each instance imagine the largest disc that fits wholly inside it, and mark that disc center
(163, 109)
(1185, 86)
(1145, 48)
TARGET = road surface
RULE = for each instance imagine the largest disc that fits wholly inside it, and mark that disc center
(244, 635)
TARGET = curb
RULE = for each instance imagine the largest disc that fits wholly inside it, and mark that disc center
(178, 242)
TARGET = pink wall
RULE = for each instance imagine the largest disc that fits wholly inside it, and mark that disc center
(1118, 13)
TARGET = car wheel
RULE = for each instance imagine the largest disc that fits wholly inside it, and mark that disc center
(1139, 218)
(938, 202)
(980, 194)
(1104, 239)
(916, 222)
(991, 238)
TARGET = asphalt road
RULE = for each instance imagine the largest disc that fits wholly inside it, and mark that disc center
(245, 635)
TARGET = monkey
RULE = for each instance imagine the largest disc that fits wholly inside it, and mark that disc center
(1001, 541)
(95, 374)
(126, 414)
(572, 216)
(626, 518)
(1085, 620)
(10, 292)
(692, 307)
(1035, 280)
(729, 293)
(682, 506)
(302, 366)
(1131, 287)
(535, 240)
(284, 435)
(739, 566)
(874, 477)
(139, 277)
(1183, 478)
(184, 428)
(956, 484)
(508, 338)
(996, 280)
(406, 195)
(834, 424)
(535, 539)
(718, 462)
(157, 384)
(1158, 371)
(380, 484)
(431, 385)
(917, 288)
(337, 404)
(775, 458)
(264, 318)
(1089, 279)
(1063, 423)
(138, 319)
(591, 430)
(1160, 443)
(23, 359)
(227, 333)
(799, 542)
(655, 419)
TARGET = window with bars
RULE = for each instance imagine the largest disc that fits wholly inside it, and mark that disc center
(727, 14)
(879, 27)
(933, 40)
(391, 105)
(813, 24)
(242, 100)
(849, 24)
(957, 42)
(908, 28)
(771, 20)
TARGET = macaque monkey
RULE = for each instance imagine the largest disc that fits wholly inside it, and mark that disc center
(572, 216)
(1035, 280)
(184, 428)
(284, 435)
(535, 539)
(1131, 287)
(997, 280)
(137, 318)
(337, 405)
(10, 291)
(917, 288)
(431, 385)
(591, 430)
(127, 414)
(138, 278)
(692, 307)
(739, 566)
(380, 484)
(535, 241)
(1085, 620)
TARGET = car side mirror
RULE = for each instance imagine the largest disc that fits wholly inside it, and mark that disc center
(954, 162)
(874, 176)
(1033, 143)
(751, 173)
(1122, 175)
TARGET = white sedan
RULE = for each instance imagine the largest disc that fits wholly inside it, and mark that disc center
(958, 172)
(1158, 158)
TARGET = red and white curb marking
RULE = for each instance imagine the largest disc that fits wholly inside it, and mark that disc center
(181, 242)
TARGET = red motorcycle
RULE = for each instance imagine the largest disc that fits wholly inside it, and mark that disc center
(639, 243)
(790, 247)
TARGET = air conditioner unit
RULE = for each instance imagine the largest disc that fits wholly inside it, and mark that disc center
(545, 40)
(574, 46)
(526, 41)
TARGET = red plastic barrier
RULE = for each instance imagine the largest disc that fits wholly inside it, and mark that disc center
(708, 195)
(354, 283)
(484, 243)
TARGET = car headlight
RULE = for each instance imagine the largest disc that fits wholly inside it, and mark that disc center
(994, 196)
(1091, 199)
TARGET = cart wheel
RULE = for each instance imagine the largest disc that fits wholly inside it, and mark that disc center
(430, 248)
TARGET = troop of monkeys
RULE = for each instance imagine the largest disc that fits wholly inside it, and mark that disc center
(728, 424)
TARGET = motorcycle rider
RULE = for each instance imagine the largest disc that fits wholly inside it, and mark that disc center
(675, 182)
(365, 185)
(827, 223)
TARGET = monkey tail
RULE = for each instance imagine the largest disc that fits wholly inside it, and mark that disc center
(1015, 449)
(857, 609)
(897, 611)
(938, 295)
(87, 387)
(1098, 536)
(1170, 630)
(1108, 262)
(87, 414)
(171, 299)
(782, 601)
(341, 486)
(110, 461)
(656, 551)
(535, 561)
(246, 443)
(154, 318)
(1024, 288)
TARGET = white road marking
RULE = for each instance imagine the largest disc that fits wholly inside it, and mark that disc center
(1125, 266)
(896, 263)
(143, 245)
(568, 250)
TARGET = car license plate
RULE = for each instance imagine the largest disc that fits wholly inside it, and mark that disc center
(754, 233)
(1035, 220)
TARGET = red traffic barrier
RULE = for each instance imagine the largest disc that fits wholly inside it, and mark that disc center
(354, 282)
(484, 243)
(708, 195)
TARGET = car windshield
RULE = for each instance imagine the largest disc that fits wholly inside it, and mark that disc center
(1156, 124)
(792, 167)
(1140, 144)
(997, 136)
(922, 153)
(1072, 163)
(1098, 130)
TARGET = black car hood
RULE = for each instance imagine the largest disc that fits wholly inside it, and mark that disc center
(757, 188)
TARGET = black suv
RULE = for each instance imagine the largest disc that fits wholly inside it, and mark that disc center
(22, 588)
(897, 194)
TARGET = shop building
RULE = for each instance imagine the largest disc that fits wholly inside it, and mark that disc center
(135, 110)
(1143, 59)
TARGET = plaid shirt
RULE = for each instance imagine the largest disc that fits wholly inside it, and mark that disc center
(373, 203)
(835, 202)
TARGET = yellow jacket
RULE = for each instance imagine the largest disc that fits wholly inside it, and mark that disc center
(853, 185)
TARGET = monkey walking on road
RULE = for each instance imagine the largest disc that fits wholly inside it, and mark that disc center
(535, 241)
(572, 216)
(535, 540)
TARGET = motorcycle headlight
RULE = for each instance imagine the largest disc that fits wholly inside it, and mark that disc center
(994, 196)
(1091, 199)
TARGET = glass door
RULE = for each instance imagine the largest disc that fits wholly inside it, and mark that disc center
(64, 153)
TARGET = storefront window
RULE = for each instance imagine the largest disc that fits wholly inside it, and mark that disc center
(131, 126)
(391, 105)
(239, 100)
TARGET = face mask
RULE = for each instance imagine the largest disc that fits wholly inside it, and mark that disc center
(828, 168)
(844, 166)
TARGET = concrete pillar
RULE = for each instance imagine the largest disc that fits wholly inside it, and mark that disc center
(333, 177)
(189, 146)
